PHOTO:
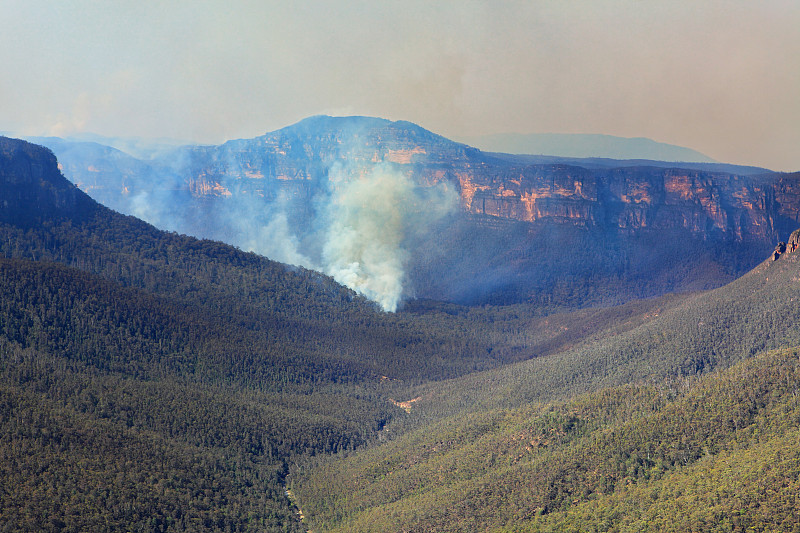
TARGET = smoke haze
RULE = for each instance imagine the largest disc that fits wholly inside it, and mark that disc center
(266, 230)
(718, 76)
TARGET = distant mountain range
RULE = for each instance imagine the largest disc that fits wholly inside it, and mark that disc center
(460, 224)
(581, 145)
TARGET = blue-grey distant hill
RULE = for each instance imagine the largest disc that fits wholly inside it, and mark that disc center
(138, 147)
(585, 145)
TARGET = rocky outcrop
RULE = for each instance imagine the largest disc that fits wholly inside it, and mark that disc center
(787, 247)
(780, 249)
(794, 241)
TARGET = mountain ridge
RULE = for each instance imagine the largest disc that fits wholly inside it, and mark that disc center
(584, 145)
(276, 195)
(23, 164)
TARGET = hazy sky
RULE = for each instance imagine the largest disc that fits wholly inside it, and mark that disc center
(721, 77)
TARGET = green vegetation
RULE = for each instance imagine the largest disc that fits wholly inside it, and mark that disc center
(88, 452)
(672, 386)
(110, 391)
(686, 454)
(154, 382)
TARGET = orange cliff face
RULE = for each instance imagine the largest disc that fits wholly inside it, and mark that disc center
(633, 199)
(626, 199)
(533, 194)
(302, 162)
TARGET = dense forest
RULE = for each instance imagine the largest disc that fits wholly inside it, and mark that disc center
(715, 453)
(681, 399)
(151, 381)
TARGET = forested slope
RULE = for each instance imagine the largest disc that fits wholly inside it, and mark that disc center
(692, 335)
(123, 409)
(671, 402)
(715, 453)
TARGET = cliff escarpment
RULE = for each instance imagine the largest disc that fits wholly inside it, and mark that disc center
(708, 205)
(561, 232)
(710, 201)
(30, 183)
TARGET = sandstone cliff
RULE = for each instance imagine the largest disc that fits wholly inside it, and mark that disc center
(631, 199)
(297, 161)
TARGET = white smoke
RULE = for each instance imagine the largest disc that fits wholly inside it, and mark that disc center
(370, 220)
(142, 207)
(276, 241)
(274, 238)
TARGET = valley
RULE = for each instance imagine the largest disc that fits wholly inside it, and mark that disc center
(577, 344)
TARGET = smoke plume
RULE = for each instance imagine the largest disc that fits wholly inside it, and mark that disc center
(361, 234)
(364, 239)
(264, 228)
